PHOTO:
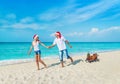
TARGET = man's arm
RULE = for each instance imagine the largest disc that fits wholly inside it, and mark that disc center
(67, 42)
(51, 46)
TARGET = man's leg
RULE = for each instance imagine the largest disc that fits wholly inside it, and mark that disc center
(68, 57)
(61, 58)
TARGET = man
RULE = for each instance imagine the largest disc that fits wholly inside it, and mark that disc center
(60, 42)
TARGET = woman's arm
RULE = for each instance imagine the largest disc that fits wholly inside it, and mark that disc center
(29, 52)
(43, 45)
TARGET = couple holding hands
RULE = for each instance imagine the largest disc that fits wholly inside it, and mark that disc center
(59, 41)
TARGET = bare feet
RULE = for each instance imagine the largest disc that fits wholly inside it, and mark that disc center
(45, 66)
(71, 59)
(62, 64)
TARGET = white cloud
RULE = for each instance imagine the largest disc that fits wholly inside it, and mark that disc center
(94, 30)
(2, 21)
(11, 16)
(24, 23)
(112, 17)
(97, 31)
(59, 12)
(27, 20)
(116, 28)
(70, 13)
(50, 15)
(78, 34)
(52, 35)
(73, 34)
(34, 26)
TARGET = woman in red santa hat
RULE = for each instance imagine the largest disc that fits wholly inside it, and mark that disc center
(35, 45)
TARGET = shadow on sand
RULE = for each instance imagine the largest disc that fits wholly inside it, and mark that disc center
(75, 62)
(54, 64)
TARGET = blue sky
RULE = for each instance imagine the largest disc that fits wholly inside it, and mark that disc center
(78, 20)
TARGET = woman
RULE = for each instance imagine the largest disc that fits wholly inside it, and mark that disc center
(35, 45)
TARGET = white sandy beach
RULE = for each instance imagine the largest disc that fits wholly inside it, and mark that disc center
(107, 71)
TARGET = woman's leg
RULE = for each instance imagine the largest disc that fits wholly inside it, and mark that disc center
(37, 62)
(39, 57)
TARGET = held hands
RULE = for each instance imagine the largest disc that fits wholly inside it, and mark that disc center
(48, 47)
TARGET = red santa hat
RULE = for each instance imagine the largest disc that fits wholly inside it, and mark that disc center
(35, 36)
(58, 34)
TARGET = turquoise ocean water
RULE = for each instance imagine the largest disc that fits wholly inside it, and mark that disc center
(18, 51)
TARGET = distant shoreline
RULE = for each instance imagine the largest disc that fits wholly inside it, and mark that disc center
(70, 42)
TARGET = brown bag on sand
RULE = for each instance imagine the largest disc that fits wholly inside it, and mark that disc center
(92, 58)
